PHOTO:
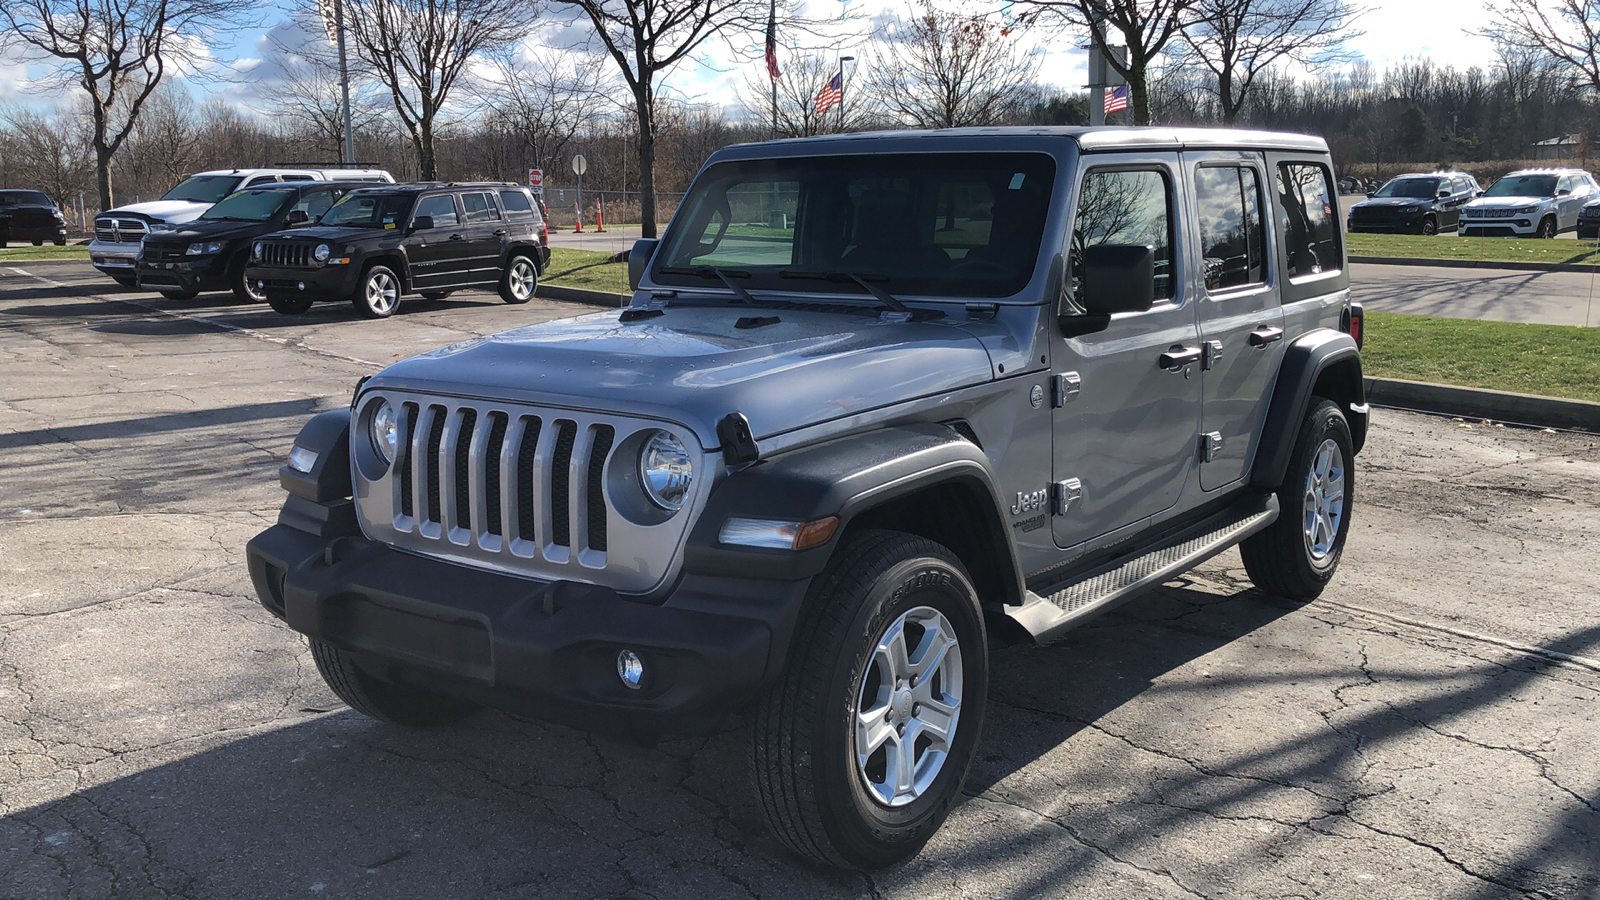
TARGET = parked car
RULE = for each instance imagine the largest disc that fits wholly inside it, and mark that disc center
(991, 375)
(1530, 203)
(30, 216)
(211, 252)
(378, 244)
(1589, 221)
(1415, 204)
(118, 232)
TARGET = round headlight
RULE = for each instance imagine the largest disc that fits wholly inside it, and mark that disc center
(385, 431)
(256, 250)
(666, 471)
(322, 253)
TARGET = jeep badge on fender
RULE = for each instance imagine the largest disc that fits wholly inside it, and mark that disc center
(799, 476)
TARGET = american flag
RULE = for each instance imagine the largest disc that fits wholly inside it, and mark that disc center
(832, 94)
(1117, 100)
(772, 41)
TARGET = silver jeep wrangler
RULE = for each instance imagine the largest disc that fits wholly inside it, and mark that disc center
(874, 395)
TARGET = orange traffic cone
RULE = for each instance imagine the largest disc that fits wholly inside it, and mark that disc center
(599, 216)
(579, 210)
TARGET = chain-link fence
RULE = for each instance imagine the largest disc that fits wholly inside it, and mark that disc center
(617, 207)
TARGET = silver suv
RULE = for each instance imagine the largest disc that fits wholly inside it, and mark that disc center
(1530, 203)
(874, 396)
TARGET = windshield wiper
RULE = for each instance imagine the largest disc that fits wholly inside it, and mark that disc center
(726, 276)
(865, 281)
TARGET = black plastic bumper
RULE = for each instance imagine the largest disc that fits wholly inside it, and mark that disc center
(320, 283)
(204, 274)
(546, 649)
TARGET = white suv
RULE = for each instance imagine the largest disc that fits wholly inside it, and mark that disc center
(1530, 203)
(119, 232)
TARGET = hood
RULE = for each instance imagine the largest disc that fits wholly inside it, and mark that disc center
(1507, 202)
(1388, 202)
(327, 233)
(694, 365)
(214, 230)
(169, 211)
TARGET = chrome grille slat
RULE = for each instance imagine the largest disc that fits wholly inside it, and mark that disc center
(518, 489)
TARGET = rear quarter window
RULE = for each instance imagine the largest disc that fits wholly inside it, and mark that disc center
(517, 206)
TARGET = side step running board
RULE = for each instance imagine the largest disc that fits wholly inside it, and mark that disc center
(1090, 594)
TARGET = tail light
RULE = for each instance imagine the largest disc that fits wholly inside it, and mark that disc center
(1353, 321)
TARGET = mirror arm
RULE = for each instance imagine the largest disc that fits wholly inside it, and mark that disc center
(1078, 326)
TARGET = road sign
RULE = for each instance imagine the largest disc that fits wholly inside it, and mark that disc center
(536, 179)
(579, 165)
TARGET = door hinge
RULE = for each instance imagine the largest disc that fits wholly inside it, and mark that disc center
(1065, 388)
(1212, 352)
(1066, 494)
(1210, 446)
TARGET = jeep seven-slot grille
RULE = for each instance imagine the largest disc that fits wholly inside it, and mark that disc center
(440, 455)
(285, 254)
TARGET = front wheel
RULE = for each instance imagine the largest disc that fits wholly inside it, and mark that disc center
(180, 295)
(1429, 225)
(290, 306)
(859, 751)
(379, 293)
(520, 280)
(1547, 227)
(1296, 555)
(243, 289)
(388, 702)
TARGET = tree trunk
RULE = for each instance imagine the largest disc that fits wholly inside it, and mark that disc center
(644, 103)
(1139, 96)
(425, 159)
(1230, 107)
(102, 173)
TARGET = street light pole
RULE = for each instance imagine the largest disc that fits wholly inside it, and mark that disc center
(344, 86)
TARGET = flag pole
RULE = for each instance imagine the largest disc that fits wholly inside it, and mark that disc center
(772, 67)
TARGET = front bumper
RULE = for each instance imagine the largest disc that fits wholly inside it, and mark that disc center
(547, 649)
(116, 259)
(1512, 226)
(1406, 224)
(54, 233)
(203, 273)
(318, 283)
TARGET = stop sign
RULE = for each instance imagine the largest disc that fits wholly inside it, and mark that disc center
(536, 178)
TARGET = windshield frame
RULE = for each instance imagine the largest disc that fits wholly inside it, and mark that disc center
(1384, 193)
(196, 181)
(921, 175)
(401, 221)
(288, 197)
(1510, 181)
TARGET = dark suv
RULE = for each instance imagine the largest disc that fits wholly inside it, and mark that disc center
(30, 216)
(210, 253)
(1416, 204)
(378, 244)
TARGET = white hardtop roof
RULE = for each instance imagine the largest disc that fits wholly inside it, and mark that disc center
(273, 170)
(1104, 138)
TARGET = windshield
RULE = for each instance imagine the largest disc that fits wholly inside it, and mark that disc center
(1523, 186)
(24, 198)
(965, 224)
(368, 211)
(250, 206)
(1410, 187)
(204, 188)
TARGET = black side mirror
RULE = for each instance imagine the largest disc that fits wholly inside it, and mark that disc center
(1443, 195)
(1370, 193)
(639, 260)
(1563, 193)
(1119, 278)
(422, 223)
(297, 217)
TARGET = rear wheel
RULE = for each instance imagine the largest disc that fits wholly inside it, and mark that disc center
(859, 751)
(180, 295)
(388, 702)
(1296, 555)
(520, 280)
(379, 294)
(1547, 227)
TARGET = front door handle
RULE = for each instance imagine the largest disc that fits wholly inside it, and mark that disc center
(457, 237)
(500, 233)
(1265, 335)
(1178, 356)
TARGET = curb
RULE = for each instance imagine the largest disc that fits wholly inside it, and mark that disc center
(1473, 264)
(581, 295)
(1478, 403)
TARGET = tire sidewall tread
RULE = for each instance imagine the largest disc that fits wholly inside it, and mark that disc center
(1276, 558)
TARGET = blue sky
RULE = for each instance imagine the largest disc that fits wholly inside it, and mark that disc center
(1393, 30)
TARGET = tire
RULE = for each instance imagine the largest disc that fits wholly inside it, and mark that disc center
(290, 306)
(38, 243)
(378, 295)
(125, 281)
(242, 289)
(1429, 225)
(818, 796)
(180, 296)
(1547, 228)
(1291, 558)
(60, 242)
(436, 295)
(382, 700)
(520, 279)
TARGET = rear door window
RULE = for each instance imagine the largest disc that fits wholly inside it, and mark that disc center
(478, 207)
(1232, 242)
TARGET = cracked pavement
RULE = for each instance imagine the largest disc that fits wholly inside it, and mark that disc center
(1425, 729)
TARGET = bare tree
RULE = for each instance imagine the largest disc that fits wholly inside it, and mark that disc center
(116, 51)
(1240, 40)
(1146, 27)
(946, 70)
(1567, 31)
(164, 145)
(310, 95)
(544, 98)
(420, 51)
(48, 152)
(646, 38)
(803, 78)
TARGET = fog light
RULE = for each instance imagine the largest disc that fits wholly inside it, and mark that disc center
(630, 668)
(302, 459)
(261, 285)
(302, 285)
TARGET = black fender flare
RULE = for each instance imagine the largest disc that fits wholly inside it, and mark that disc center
(530, 249)
(1322, 357)
(328, 435)
(851, 477)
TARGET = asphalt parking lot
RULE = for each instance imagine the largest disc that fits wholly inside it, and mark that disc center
(1426, 729)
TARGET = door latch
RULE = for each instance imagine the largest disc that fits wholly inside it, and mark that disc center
(1210, 355)
(1065, 389)
(1210, 446)
(1066, 494)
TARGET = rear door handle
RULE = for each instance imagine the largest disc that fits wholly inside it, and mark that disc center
(457, 237)
(1265, 335)
(1179, 356)
(500, 233)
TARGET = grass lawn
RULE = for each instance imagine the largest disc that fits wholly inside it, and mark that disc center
(1548, 360)
(48, 251)
(1482, 249)
(589, 269)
